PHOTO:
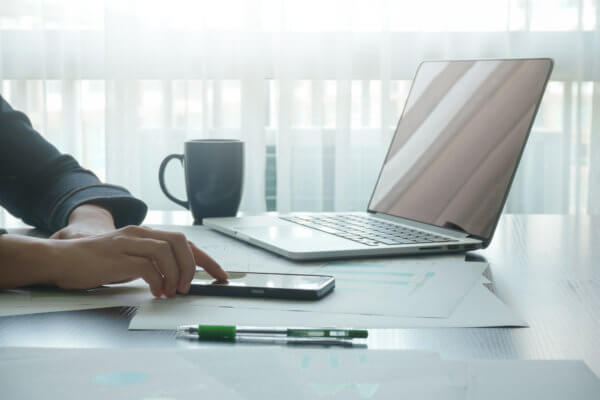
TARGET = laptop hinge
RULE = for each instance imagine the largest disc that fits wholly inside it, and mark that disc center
(458, 233)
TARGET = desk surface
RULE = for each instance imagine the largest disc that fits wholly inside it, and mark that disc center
(546, 267)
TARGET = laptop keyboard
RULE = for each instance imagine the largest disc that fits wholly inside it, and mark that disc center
(366, 230)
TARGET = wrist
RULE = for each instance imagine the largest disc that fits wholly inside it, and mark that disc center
(51, 252)
(92, 213)
(27, 261)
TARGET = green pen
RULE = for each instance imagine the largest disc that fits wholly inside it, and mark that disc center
(229, 333)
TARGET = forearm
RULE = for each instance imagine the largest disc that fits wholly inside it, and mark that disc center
(26, 261)
(43, 186)
(165, 260)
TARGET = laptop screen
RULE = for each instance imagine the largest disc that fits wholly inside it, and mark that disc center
(458, 142)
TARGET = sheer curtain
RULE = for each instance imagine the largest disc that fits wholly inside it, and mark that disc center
(314, 88)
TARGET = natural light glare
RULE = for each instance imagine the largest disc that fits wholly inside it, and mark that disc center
(589, 15)
(229, 103)
(315, 88)
(457, 15)
(51, 14)
(186, 14)
(366, 104)
(302, 115)
(151, 111)
(548, 119)
(517, 15)
(329, 104)
(303, 15)
(554, 15)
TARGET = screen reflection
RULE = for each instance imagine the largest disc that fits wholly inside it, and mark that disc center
(280, 281)
(459, 141)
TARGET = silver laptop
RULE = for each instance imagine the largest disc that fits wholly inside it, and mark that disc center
(446, 175)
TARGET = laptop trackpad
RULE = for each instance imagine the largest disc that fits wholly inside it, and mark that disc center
(298, 238)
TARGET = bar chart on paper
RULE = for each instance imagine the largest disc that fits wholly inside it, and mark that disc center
(349, 274)
(426, 287)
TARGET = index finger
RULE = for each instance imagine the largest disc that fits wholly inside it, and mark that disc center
(209, 265)
(181, 251)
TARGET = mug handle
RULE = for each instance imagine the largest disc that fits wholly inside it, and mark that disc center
(161, 179)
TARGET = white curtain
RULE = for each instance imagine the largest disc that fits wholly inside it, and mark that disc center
(314, 88)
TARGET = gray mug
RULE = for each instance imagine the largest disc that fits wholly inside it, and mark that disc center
(214, 173)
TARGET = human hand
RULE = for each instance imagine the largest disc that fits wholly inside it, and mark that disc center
(86, 220)
(165, 260)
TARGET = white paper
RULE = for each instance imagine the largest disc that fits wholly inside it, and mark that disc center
(265, 372)
(24, 309)
(227, 373)
(299, 373)
(105, 374)
(41, 300)
(480, 308)
(420, 286)
(548, 380)
(428, 287)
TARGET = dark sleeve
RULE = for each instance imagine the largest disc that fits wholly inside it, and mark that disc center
(42, 186)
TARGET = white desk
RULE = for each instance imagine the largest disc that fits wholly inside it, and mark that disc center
(546, 267)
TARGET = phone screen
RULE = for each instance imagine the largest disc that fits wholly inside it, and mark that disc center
(262, 280)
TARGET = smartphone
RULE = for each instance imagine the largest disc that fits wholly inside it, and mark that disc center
(258, 284)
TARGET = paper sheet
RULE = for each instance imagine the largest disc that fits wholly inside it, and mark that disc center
(331, 374)
(548, 380)
(431, 287)
(24, 310)
(235, 372)
(104, 374)
(41, 300)
(479, 308)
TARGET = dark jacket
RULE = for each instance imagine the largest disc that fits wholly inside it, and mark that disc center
(42, 186)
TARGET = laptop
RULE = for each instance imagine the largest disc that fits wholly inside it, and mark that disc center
(446, 175)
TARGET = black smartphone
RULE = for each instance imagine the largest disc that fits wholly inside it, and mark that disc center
(258, 284)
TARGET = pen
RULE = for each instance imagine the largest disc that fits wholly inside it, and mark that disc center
(283, 340)
(229, 333)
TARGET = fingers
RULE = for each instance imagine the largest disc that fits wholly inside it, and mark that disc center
(184, 256)
(179, 247)
(160, 253)
(205, 261)
(144, 267)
